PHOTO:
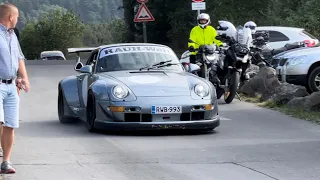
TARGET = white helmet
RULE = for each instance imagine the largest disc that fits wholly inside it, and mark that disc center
(204, 16)
(227, 28)
(251, 25)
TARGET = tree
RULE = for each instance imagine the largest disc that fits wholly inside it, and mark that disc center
(56, 30)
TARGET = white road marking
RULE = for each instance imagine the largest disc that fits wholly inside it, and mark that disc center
(224, 119)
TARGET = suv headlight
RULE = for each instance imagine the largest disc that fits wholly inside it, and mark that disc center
(296, 60)
(120, 92)
(201, 90)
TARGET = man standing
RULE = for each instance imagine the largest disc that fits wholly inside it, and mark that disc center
(11, 63)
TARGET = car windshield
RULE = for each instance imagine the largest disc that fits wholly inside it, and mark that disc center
(123, 58)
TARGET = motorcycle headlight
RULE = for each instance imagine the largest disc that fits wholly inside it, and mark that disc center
(296, 60)
(120, 92)
(201, 90)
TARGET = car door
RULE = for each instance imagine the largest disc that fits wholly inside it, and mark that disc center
(84, 82)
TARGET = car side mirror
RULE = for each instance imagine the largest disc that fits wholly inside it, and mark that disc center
(86, 69)
(78, 66)
(194, 68)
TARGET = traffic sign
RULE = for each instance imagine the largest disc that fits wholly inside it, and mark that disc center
(142, 1)
(199, 6)
(143, 15)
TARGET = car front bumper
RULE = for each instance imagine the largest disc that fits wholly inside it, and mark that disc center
(293, 74)
(183, 125)
(136, 115)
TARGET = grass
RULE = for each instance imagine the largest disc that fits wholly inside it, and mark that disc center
(300, 113)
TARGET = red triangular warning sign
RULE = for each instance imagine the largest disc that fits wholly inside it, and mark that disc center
(143, 14)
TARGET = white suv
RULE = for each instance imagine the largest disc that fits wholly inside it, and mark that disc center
(280, 36)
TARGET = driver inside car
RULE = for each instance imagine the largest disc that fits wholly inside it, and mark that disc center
(202, 34)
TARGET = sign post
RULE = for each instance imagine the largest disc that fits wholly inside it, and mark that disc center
(198, 5)
(144, 16)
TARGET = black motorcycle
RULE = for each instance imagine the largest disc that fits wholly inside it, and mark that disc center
(262, 54)
(223, 66)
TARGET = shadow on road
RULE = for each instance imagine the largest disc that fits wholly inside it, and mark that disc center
(54, 129)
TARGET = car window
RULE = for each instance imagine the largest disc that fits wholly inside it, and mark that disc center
(275, 36)
(134, 57)
(308, 34)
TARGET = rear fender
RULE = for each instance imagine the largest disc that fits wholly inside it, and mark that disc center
(69, 87)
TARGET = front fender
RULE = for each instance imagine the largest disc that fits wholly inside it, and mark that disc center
(69, 87)
(102, 90)
(194, 80)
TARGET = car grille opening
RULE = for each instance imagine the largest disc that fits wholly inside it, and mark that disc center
(185, 117)
(146, 118)
(197, 116)
(137, 117)
(132, 117)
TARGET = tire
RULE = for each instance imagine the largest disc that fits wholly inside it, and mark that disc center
(204, 70)
(61, 107)
(91, 113)
(235, 78)
(312, 87)
(219, 92)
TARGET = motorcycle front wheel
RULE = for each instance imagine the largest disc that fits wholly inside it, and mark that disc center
(232, 88)
(204, 70)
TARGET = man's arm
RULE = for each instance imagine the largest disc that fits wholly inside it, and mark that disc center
(22, 72)
(193, 37)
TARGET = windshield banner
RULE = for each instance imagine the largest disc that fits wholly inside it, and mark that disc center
(133, 49)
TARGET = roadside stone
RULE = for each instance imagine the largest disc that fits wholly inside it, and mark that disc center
(253, 70)
(286, 92)
(265, 83)
(309, 103)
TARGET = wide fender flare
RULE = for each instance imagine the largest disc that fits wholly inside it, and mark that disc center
(69, 87)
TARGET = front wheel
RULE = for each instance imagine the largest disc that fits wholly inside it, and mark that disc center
(233, 86)
(91, 113)
(204, 69)
(314, 80)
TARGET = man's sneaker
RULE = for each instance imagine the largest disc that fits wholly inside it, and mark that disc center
(1, 152)
(6, 168)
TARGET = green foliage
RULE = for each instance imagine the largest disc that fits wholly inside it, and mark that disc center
(90, 11)
(56, 30)
(106, 33)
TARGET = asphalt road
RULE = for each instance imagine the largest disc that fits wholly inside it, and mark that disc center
(251, 143)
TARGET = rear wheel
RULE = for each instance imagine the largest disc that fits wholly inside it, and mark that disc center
(233, 87)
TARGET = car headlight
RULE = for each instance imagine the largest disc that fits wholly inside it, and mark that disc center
(296, 60)
(201, 90)
(120, 92)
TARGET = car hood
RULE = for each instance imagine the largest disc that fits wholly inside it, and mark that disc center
(298, 52)
(154, 83)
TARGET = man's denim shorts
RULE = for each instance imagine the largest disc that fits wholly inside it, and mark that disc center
(9, 105)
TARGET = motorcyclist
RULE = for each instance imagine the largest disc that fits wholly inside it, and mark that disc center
(202, 34)
(252, 26)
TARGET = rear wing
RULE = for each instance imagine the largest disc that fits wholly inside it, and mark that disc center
(79, 50)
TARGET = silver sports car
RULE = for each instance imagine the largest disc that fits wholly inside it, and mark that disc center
(136, 86)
